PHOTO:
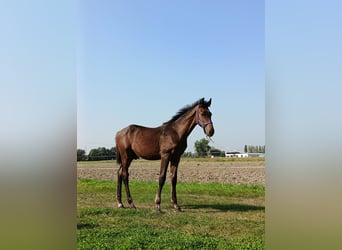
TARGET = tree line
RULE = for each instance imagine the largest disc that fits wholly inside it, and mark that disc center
(254, 148)
(97, 154)
(202, 149)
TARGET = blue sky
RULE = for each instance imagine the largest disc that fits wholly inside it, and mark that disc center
(140, 62)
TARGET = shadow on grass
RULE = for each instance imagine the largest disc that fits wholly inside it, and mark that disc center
(227, 207)
(86, 226)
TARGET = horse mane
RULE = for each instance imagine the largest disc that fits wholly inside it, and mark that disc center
(185, 109)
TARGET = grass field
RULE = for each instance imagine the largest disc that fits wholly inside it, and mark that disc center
(214, 216)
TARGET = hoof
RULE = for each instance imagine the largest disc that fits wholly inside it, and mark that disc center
(131, 205)
(120, 205)
(177, 208)
(158, 208)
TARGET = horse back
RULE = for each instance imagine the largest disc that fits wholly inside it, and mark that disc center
(143, 141)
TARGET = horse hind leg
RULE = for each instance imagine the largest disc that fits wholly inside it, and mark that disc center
(119, 186)
(128, 193)
(125, 178)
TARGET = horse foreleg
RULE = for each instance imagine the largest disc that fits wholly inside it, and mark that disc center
(119, 185)
(173, 171)
(162, 177)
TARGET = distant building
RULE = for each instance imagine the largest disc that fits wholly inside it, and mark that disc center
(236, 155)
(256, 154)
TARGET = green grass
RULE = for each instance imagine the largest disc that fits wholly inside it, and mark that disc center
(214, 216)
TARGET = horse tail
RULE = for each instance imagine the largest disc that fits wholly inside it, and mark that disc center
(118, 157)
(117, 144)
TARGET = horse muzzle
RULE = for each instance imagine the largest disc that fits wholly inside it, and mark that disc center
(209, 129)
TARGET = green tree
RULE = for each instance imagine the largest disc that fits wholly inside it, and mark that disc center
(93, 154)
(81, 156)
(254, 149)
(113, 152)
(202, 147)
(102, 153)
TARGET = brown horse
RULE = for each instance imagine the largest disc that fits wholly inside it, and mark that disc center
(166, 143)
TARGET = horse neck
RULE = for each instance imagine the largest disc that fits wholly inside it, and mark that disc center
(185, 124)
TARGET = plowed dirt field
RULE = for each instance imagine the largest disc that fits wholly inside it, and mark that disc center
(207, 170)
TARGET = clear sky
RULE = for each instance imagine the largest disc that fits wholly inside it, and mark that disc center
(141, 61)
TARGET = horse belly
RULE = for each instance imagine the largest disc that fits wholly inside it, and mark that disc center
(152, 157)
(148, 150)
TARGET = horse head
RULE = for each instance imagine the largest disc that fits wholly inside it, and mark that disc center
(203, 117)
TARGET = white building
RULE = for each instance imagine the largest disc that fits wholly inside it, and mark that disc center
(236, 155)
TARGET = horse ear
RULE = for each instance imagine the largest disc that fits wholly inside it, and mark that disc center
(201, 101)
(209, 102)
